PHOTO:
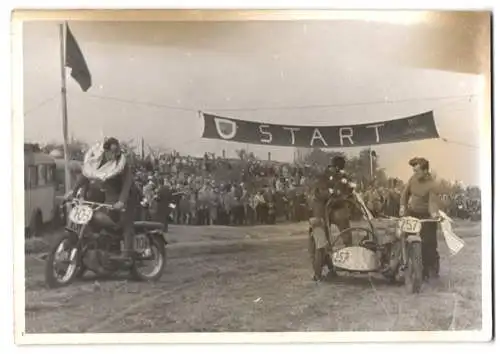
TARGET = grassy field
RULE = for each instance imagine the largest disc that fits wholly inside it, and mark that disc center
(258, 286)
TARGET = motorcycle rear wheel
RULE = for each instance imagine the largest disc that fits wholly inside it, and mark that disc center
(414, 269)
(52, 277)
(160, 256)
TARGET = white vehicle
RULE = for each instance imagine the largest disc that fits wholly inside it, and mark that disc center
(75, 168)
(39, 189)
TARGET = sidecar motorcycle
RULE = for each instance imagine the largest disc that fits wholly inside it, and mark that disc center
(396, 253)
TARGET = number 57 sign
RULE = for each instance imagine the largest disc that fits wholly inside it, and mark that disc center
(340, 257)
(410, 225)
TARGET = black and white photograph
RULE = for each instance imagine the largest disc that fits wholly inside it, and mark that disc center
(275, 172)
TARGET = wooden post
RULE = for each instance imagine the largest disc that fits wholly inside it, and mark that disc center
(64, 105)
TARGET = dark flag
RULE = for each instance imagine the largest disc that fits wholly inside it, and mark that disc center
(75, 60)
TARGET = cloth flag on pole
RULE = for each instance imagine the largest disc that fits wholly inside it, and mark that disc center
(454, 243)
(76, 62)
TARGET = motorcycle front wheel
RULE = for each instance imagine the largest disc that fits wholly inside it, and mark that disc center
(143, 271)
(62, 265)
(414, 268)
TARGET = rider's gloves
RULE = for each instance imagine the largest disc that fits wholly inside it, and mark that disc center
(436, 215)
(118, 205)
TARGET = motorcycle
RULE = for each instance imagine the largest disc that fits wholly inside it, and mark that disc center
(396, 255)
(402, 259)
(92, 238)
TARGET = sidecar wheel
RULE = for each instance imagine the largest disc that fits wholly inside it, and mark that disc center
(318, 258)
(319, 261)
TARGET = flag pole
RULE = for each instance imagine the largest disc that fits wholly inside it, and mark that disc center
(62, 38)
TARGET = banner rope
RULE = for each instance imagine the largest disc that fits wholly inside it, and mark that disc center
(365, 103)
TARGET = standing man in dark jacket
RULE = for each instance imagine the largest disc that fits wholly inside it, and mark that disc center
(119, 189)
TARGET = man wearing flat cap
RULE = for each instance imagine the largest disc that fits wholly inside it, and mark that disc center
(420, 200)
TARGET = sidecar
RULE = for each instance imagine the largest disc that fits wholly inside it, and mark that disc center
(366, 254)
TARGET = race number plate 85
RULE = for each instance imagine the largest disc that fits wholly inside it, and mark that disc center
(81, 214)
(411, 225)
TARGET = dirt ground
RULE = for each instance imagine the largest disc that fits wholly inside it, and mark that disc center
(259, 282)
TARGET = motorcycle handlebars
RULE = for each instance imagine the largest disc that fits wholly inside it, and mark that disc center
(430, 220)
(420, 220)
(74, 201)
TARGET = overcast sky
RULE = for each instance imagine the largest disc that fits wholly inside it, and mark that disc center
(237, 70)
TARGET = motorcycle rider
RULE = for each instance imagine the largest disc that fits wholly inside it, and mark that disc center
(420, 200)
(334, 180)
(119, 190)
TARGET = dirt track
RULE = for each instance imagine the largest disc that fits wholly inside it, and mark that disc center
(258, 286)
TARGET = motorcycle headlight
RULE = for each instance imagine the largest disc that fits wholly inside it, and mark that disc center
(330, 190)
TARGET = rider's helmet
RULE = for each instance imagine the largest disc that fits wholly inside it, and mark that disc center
(112, 148)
